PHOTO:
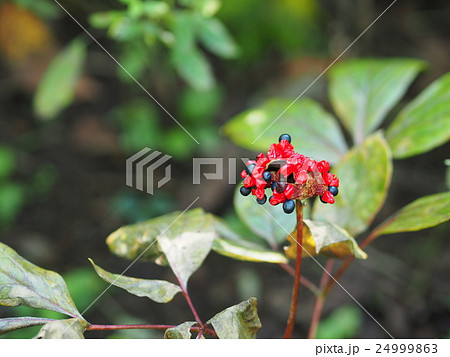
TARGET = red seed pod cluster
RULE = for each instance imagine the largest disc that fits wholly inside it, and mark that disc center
(290, 175)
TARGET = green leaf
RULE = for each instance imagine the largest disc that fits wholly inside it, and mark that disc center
(215, 36)
(363, 91)
(56, 89)
(425, 212)
(182, 331)
(314, 131)
(182, 240)
(7, 161)
(241, 252)
(14, 323)
(424, 123)
(104, 19)
(321, 238)
(63, 329)
(364, 174)
(344, 322)
(238, 321)
(268, 222)
(230, 244)
(189, 62)
(157, 290)
(23, 283)
(193, 67)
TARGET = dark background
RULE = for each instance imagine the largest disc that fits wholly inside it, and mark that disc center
(72, 177)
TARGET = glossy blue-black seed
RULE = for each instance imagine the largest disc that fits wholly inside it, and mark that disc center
(285, 137)
(262, 201)
(274, 185)
(267, 176)
(334, 190)
(289, 206)
(250, 168)
(321, 200)
(245, 191)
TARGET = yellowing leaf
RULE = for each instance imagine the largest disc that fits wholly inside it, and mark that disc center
(63, 329)
(23, 283)
(238, 321)
(157, 290)
(183, 240)
(320, 238)
(182, 331)
(14, 323)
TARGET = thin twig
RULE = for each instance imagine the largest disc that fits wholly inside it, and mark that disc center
(320, 300)
(303, 281)
(206, 331)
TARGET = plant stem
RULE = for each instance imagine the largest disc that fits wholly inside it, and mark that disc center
(298, 265)
(320, 300)
(189, 301)
(206, 331)
(303, 281)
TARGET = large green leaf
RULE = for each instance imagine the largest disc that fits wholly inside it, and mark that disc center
(181, 239)
(321, 238)
(363, 91)
(424, 212)
(57, 87)
(424, 123)
(215, 36)
(14, 323)
(364, 174)
(182, 331)
(23, 283)
(230, 244)
(157, 290)
(314, 131)
(238, 321)
(63, 329)
(268, 222)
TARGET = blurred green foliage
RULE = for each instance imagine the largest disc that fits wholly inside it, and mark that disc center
(344, 322)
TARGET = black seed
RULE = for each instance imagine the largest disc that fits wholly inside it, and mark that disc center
(250, 168)
(267, 176)
(245, 191)
(280, 187)
(274, 186)
(321, 199)
(334, 190)
(285, 137)
(262, 201)
(289, 206)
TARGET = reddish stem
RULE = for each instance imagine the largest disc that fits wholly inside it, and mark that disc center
(298, 264)
(320, 300)
(189, 301)
(204, 330)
